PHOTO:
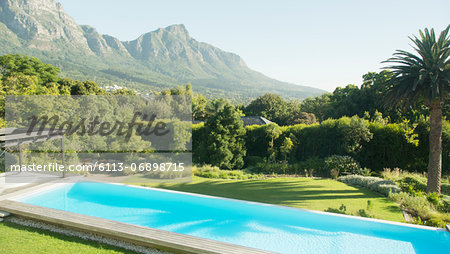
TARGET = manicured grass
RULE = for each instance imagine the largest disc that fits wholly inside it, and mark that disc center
(314, 194)
(19, 239)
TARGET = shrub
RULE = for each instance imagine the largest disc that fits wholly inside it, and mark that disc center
(341, 164)
(253, 160)
(334, 173)
(414, 183)
(372, 183)
(209, 171)
(276, 168)
(314, 166)
(342, 209)
(390, 146)
(434, 222)
(425, 212)
(433, 198)
(416, 205)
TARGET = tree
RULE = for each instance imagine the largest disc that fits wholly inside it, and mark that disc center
(215, 106)
(123, 91)
(270, 106)
(14, 64)
(286, 148)
(424, 78)
(199, 107)
(225, 142)
(273, 131)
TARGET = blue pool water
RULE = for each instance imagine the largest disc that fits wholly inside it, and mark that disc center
(267, 227)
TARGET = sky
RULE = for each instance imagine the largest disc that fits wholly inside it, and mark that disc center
(318, 43)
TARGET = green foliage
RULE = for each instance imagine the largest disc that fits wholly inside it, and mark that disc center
(366, 213)
(286, 147)
(199, 107)
(123, 91)
(270, 106)
(351, 100)
(313, 166)
(423, 76)
(334, 173)
(433, 198)
(209, 171)
(253, 160)
(391, 145)
(426, 212)
(276, 168)
(280, 111)
(341, 210)
(412, 183)
(337, 164)
(225, 141)
(18, 239)
(361, 212)
(15, 65)
(372, 183)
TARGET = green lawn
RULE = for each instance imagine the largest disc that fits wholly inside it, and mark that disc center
(314, 194)
(19, 239)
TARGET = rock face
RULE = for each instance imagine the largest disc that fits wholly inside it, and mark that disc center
(42, 24)
(161, 58)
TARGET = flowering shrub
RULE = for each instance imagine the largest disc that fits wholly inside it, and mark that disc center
(372, 183)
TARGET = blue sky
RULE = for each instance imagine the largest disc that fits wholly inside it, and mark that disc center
(319, 43)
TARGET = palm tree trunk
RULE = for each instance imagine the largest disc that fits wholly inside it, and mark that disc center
(435, 157)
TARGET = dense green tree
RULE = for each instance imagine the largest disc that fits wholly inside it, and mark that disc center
(15, 64)
(273, 132)
(215, 106)
(424, 77)
(199, 107)
(86, 88)
(225, 141)
(319, 106)
(270, 106)
(123, 91)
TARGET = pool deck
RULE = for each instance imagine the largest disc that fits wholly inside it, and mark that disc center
(144, 236)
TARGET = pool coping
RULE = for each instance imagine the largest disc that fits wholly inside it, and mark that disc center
(49, 186)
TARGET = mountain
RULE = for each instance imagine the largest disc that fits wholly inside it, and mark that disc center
(156, 60)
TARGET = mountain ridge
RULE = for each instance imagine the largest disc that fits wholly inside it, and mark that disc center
(155, 60)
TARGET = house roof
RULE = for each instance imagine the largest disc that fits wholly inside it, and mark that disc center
(254, 120)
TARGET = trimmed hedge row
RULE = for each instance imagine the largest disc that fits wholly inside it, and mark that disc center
(374, 145)
(376, 184)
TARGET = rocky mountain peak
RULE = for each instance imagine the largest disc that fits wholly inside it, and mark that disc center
(39, 22)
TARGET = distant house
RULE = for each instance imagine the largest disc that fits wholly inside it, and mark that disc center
(254, 120)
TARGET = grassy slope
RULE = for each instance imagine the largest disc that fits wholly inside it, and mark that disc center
(314, 194)
(19, 239)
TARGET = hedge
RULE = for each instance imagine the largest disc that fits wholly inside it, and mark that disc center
(376, 184)
(389, 145)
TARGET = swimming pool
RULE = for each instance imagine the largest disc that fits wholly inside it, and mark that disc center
(267, 227)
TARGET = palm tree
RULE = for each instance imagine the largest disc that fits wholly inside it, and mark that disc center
(424, 78)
